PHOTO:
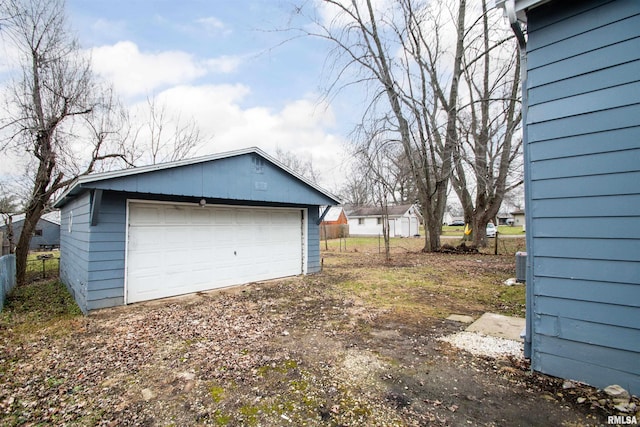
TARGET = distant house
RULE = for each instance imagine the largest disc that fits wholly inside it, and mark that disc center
(581, 142)
(334, 224)
(519, 219)
(45, 236)
(335, 216)
(404, 221)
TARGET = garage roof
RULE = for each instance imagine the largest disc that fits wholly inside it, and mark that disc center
(199, 180)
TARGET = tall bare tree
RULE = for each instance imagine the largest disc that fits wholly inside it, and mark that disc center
(486, 158)
(396, 49)
(50, 103)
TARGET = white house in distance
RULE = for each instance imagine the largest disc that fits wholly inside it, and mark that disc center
(518, 219)
(404, 220)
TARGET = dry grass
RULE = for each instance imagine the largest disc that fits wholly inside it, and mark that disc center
(417, 284)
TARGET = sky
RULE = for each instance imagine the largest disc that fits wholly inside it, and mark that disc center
(224, 63)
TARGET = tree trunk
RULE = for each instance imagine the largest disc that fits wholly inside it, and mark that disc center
(32, 215)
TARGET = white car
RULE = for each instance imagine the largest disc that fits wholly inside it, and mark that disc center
(491, 230)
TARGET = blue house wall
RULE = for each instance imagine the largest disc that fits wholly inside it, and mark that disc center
(49, 233)
(74, 248)
(583, 198)
(93, 253)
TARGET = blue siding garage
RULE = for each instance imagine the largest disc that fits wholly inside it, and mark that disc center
(582, 160)
(187, 226)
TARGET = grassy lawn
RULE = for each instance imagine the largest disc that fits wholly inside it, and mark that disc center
(448, 230)
(417, 285)
(38, 268)
(37, 306)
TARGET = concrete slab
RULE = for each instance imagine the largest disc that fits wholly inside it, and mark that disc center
(497, 325)
(460, 318)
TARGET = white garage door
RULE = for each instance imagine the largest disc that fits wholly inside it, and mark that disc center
(177, 249)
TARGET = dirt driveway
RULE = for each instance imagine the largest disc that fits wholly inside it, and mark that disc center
(301, 351)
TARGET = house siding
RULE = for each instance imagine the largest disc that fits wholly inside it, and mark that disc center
(583, 199)
(248, 178)
(74, 248)
(314, 263)
(50, 233)
(106, 261)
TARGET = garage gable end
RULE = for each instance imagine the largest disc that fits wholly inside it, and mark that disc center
(247, 175)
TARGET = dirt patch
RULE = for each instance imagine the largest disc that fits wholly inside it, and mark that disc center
(303, 351)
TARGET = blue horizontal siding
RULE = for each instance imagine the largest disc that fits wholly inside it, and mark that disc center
(570, 367)
(313, 232)
(589, 290)
(113, 283)
(598, 206)
(106, 266)
(600, 356)
(606, 184)
(603, 36)
(594, 249)
(583, 269)
(598, 227)
(588, 321)
(105, 303)
(593, 164)
(233, 178)
(589, 62)
(600, 79)
(74, 249)
(105, 256)
(619, 118)
(572, 20)
(594, 100)
(585, 144)
(107, 293)
(583, 198)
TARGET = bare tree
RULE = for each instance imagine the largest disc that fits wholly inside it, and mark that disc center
(303, 167)
(356, 190)
(485, 158)
(50, 104)
(396, 49)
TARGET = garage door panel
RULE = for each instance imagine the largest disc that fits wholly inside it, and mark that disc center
(178, 249)
(146, 215)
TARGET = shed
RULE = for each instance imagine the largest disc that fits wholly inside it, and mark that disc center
(46, 235)
(582, 173)
(404, 220)
(334, 224)
(187, 226)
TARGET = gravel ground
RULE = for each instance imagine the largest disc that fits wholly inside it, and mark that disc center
(484, 345)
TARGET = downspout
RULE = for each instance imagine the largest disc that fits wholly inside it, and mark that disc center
(510, 12)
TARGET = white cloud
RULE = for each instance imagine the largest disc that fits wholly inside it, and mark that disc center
(134, 72)
(224, 64)
(213, 25)
(301, 127)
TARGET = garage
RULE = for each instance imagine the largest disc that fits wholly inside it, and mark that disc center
(175, 249)
(192, 225)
